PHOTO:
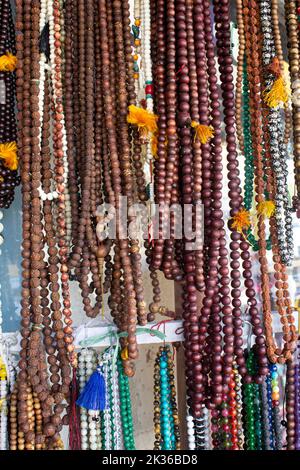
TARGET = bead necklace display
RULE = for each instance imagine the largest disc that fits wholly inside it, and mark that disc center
(45, 327)
(196, 126)
(166, 422)
(129, 107)
(263, 417)
(9, 178)
(105, 122)
(293, 55)
(237, 242)
(261, 133)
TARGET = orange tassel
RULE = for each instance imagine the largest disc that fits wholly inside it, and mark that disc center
(202, 132)
(241, 221)
(8, 62)
(146, 121)
(8, 152)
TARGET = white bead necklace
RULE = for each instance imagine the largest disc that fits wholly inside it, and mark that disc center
(190, 432)
(112, 414)
(89, 420)
(44, 68)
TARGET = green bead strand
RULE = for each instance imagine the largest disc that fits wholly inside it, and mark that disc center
(125, 409)
(249, 167)
(253, 408)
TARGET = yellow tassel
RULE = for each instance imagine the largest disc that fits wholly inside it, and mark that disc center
(203, 133)
(241, 221)
(154, 145)
(3, 373)
(8, 152)
(124, 354)
(146, 121)
(277, 94)
(8, 62)
(266, 208)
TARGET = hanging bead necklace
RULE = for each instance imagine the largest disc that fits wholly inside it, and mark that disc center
(252, 410)
(112, 437)
(9, 178)
(290, 404)
(166, 422)
(87, 362)
(239, 407)
(277, 147)
(126, 410)
(258, 129)
(225, 63)
(293, 55)
(233, 413)
(101, 126)
(43, 330)
(297, 404)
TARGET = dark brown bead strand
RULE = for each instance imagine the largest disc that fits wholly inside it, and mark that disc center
(70, 112)
(9, 179)
(259, 136)
(186, 145)
(45, 337)
(225, 62)
(160, 109)
(23, 53)
(292, 26)
(290, 404)
(211, 196)
(197, 154)
(125, 163)
(112, 145)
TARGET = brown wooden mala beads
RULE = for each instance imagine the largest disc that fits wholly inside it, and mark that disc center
(46, 339)
(239, 76)
(293, 55)
(101, 90)
(259, 135)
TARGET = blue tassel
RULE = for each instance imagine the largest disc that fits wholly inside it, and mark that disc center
(92, 396)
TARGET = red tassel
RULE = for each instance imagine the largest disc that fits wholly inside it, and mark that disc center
(74, 417)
